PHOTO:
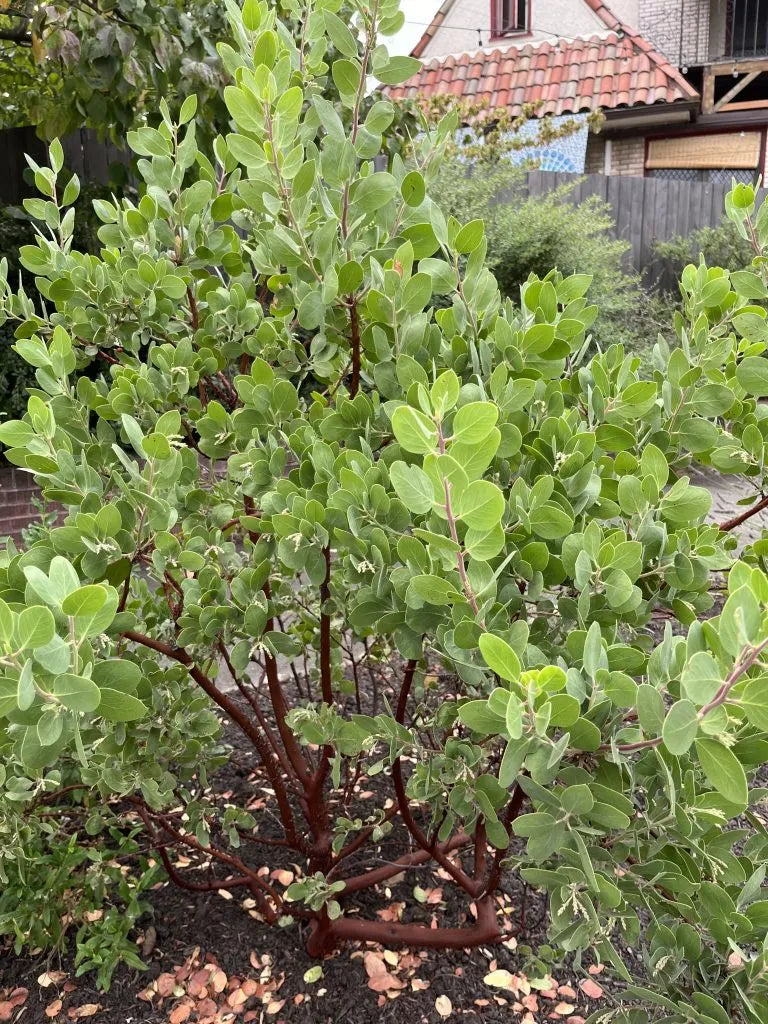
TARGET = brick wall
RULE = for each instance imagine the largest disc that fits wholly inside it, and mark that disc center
(678, 28)
(17, 489)
(628, 157)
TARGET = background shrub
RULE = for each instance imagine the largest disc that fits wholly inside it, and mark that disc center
(721, 246)
(534, 234)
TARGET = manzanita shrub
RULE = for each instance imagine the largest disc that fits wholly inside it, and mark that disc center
(294, 482)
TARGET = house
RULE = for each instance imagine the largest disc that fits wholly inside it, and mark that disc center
(683, 84)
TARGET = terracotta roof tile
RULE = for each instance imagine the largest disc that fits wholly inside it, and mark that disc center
(618, 70)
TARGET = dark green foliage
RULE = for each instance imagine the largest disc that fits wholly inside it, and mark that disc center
(105, 64)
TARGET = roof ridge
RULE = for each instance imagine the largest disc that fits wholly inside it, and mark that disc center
(604, 14)
(437, 20)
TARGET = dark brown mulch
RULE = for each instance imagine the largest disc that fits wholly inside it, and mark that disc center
(212, 926)
(268, 965)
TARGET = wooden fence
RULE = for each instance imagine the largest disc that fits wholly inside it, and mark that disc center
(84, 154)
(645, 210)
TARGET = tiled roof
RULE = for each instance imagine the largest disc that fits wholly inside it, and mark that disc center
(611, 71)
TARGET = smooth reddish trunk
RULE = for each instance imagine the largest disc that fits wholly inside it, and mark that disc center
(731, 524)
(299, 781)
(410, 860)
(325, 935)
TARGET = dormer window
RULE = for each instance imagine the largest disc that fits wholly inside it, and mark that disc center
(510, 17)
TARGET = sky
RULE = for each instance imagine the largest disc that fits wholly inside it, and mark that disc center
(418, 14)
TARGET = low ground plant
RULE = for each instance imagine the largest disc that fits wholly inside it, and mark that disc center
(440, 545)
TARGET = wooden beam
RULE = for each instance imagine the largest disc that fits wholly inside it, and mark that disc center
(745, 105)
(735, 90)
(708, 92)
(748, 104)
(738, 67)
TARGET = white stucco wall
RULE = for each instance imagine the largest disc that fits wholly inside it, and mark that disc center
(702, 36)
(551, 19)
(627, 11)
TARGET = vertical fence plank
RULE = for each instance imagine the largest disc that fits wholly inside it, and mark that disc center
(637, 220)
(646, 227)
(73, 154)
(97, 156)
(14, 144)
(84, 155)
(660, 211)
(622, 210)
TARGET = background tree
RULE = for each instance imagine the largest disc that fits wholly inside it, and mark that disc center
(106, 63)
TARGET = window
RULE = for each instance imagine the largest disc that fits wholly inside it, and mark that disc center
(675, 173)
(715, 158)
(725, 175)
(747, 28)
(715, 176)
(510, 17)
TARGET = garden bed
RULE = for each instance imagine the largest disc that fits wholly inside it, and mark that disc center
(212, 961)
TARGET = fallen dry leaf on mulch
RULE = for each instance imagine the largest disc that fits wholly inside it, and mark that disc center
(500, 979)
(379, 978)
(180, 1013)
(391, 913)
(165, 984)
(48, 978)
(282, 876)
(590, 989)
(205, 994)
(86, 1010)
(10, 1000)
(444, 1006)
